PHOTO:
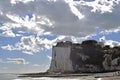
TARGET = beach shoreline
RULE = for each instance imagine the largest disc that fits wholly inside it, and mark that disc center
(97, 76)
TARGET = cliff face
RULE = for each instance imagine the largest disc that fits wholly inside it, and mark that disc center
(61, 58)
(89, 56)
(61, 61)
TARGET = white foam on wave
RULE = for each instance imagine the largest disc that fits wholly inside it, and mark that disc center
(25, 79)
(17, 79)
(46, 78)
(61, 78)
(99, 78)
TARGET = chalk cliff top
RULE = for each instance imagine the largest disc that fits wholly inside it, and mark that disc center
(69, 43)
(64, 44)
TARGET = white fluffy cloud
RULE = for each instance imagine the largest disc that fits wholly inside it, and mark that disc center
(17, 1)
(74, 20)
(8, 33)
(32, 44)
(8, 47)
(109, 42)
(61, 17)
(69, 23)
(110, 31)
(73, 9)
(102, 5)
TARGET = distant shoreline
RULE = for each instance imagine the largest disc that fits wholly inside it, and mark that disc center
(110, 75)
(52, 75)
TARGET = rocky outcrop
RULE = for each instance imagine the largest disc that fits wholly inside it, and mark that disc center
(89, 56)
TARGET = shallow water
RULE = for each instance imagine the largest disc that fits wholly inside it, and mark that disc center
(7, 76)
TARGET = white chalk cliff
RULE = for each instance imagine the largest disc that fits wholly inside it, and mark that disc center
(89, 56)
(61, 59)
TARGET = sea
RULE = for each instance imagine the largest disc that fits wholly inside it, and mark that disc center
(15, 77)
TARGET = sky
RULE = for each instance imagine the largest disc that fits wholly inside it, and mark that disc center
(29, 29)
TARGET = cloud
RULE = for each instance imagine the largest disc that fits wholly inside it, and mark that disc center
(14, 61)
(8, 33)
(49, 57)
(66, 19)
(17, 61)
(26, 24)
(8, 47)
(36, 65)
(34, 44)
(17, 1)
(110, 31)
(109, 42)
(102, 5)
(30, 44)
(68, 23)
(74, 10)
(59, 17)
